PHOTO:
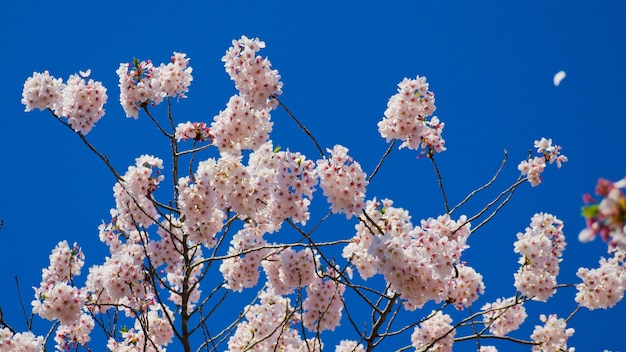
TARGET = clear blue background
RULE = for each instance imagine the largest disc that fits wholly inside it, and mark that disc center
(490, 65)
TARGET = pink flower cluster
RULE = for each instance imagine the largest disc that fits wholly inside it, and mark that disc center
(253, 75)
(289, 269)
(133, 195)
(142, 83)
(532, 168)
(603, 287)
(198, 204)
(541, 248)
(435, 327)
(465, 287)
(241, 270)
(268, 328)
(69, 337)
(406, 117)
(420, 263)
(56, 298)
(504, 315)
(390, 220)
(22, 342)
(240, 126)
(607, 217)
(160, 333)
(349, 346)
(323, 305)
(42, 91)
(196, 131)
(343, 182)
(80, 101)
(552, 337)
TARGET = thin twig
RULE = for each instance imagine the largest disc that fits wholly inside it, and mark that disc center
(306, 130)
(493, 179)
(431, 156)
(380, 162)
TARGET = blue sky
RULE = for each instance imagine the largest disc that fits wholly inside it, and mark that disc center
(490, 65)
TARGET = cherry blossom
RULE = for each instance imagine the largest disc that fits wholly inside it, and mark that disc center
(504, 315)
(436, 328)
(343, 182)
(267, 327)
(323, 305)
(541, 247)
(406, 117)
(83, 103)
(349, 346)
(196, 131)
(607, 217)
(552, 337)
(418, 264)
(139, 85)
(71, 336)
(240, 126)
(132, 196)
(533, 167)
(22, 342)
(253, 75)
(43, 91)
(175, 77)
(603, 287)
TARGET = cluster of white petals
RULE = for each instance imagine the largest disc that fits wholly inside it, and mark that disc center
(240, 126)
(68, 337)
(406, 117)
(436, 328)
(323, 304)
(241, 269)
(504, 315)
(133, 195)
(81, 102)
(541, 247)
(22, 342)
(268, 328)
(603, 287)
(176, 76)
(343, 182)
(56, 298)
(533, 167)
(42, 91)
(143, 84)
(198, 204)
(253, 75)
(465, 287)
(349, 346)
(290, 269)
(196, 131)
(552, 337)
(419, 264)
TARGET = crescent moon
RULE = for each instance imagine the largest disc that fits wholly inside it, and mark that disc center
(558, 77)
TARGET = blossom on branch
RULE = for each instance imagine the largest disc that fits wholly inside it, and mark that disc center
(541, 248)
(435, 332)
(504, 315)
(22, 342)
(533, 167)
(552, 337)
(343, 182)
(406, 117)
(253, 75)
(603, 287)
(43, 91)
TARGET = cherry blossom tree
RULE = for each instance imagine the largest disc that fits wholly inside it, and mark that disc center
(218, 251)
